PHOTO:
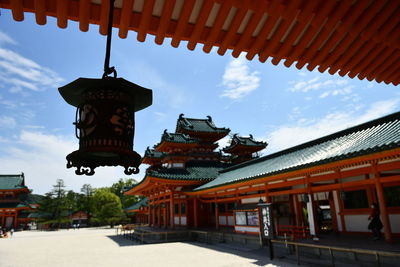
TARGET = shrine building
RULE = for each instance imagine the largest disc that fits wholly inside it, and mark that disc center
(325, 185)
(138, 212)
(14, 207)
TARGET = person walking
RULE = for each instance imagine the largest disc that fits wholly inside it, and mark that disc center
(375, 225)
(11, 232)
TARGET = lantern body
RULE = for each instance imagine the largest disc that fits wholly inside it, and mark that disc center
(105, 123)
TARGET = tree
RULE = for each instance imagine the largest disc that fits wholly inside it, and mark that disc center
(107, 207)
(87, 200)
(54, 206)
(119, 189)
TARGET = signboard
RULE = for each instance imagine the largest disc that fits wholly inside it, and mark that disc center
(266, 223)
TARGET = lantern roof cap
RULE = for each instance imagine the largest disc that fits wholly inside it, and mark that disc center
(139, 96)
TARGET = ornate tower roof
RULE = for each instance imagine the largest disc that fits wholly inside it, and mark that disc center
(175, 140)
(153, 157)
(203, 129)
(244, 145)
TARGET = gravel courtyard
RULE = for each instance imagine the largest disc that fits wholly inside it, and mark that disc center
(101, 247)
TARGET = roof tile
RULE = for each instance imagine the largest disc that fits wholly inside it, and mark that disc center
(377, 135)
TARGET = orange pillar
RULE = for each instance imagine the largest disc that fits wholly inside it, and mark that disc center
(15, 219)
(159, 213)
(216, 216)
(195, 210)
(154, 213)
(172, 209)
(149, 215)
(165, 213)
(267, 197)
(382, 206)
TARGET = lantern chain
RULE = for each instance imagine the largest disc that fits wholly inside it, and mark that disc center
(107, 69)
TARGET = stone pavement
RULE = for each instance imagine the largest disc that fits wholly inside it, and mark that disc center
(101, 247)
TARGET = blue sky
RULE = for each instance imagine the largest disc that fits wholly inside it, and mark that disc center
(283, 106)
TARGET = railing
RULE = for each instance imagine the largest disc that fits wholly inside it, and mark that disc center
(377, 254)
(158, 237)
(294, 231)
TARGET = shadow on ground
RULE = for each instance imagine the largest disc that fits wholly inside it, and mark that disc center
(257, 256)
(123, 242)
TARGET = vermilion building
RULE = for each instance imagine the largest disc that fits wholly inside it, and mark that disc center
(327, 184)
(14, 209)
(139, 212)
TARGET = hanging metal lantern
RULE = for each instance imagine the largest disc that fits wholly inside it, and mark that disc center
(105, 117)
(105, 122)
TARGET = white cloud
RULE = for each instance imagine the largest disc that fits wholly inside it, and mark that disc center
(18, 73)
(224, 142)
(7, 122)
(330, 87)
(42, 158)
(306, 129)
(238, 80)
(6, 39)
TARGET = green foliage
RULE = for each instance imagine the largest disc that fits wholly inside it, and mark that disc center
(119, 189)
(86, 202)
(54, 206)
(107, 208)
(103, 205)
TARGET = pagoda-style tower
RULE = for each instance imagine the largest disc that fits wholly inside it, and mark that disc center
(243, 148)
(193, 140)
(153, 157)
(202, 129)
(180, 162)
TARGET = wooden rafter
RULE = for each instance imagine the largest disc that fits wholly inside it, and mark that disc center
(355, 38)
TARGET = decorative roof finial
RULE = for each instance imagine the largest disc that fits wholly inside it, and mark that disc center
(209, 118)
(181, 116)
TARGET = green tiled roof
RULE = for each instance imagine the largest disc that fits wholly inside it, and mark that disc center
(152, 153)
(138, 205)
(374, 136)
(12, 205)
(198, 171)
(12, 181)
(194, 173)
(199, 125)
(178, 138)
(244, 141)
(39, 215)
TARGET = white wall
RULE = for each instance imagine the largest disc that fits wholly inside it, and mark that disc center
(395, 222)
(183, 220)
(222, 220)
(252, 200)
(230, 220)
(337, 208)
(247, 229)
(356, 223)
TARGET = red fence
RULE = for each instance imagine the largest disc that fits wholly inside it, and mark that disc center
(294, 231)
